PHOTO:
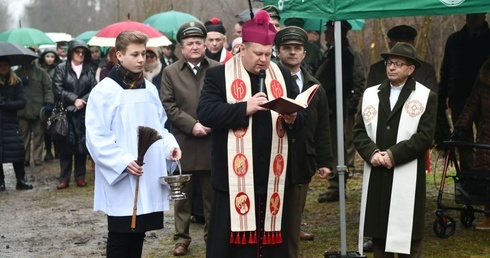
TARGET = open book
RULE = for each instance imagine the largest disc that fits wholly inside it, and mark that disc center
(285, 105)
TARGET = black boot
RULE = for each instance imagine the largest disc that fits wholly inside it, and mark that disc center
(48, 156)
(2, 186)
(23, 185)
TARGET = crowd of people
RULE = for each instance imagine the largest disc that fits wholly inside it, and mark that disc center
(248, 164)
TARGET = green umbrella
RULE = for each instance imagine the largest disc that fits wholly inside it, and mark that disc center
(87, 35)
(26, 37)
(169, 22)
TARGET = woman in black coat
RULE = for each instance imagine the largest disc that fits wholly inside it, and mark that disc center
(72, 82)
(11, 144)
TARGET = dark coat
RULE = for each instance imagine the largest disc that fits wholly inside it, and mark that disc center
(38, 91)
(381, 179)
(67, 87)
(157, 80)
(326, 75)
(425, 74)
(180, 94)
(214, 111)
(463, 57)
(11, 143)
(477, 107)
(311, 147)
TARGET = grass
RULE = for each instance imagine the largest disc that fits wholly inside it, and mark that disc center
(323, 221)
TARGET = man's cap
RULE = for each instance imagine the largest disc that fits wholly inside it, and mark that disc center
(298, 22)
(402, 33)
(291, 35)
(259, 30)
(214, 24)
(344, 25)
(191, 29)
(62, 43)
(272, 10)
(402, 49)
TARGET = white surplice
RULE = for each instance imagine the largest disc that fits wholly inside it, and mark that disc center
(112, 119)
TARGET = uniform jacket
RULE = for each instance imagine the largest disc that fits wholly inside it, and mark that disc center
(311, 147)
(463, 57)
(11, 143)
(180, 94)
(214, 111)
(478, 106)
(326, 75)
(380, 184)
(38, 91)
(67, 87)
(425, 75)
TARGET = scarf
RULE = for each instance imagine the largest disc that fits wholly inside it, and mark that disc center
(215, 57)
(125, 78)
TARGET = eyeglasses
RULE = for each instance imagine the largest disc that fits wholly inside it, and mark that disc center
(396, 64)
(80, 52)
(150, 56)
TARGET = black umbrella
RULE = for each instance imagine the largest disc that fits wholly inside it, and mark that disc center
(17, 54)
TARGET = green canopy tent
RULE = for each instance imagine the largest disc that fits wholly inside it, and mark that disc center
(361, 9)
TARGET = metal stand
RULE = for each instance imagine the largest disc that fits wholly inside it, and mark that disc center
(341, 168)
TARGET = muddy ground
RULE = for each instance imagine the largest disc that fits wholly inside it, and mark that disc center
(46, 222)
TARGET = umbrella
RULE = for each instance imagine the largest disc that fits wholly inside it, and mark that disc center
(169, 22)
(87, 35)
(26, 37)
(59, 36)
(17, 54)
(106, 37)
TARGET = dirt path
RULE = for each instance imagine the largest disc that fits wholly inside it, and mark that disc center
(46, 222)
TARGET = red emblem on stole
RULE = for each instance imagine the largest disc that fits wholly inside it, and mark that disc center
(278, 165)
(240, 132)
(276, 89)
(238, 89)
(280, 129)
(242, 203)
(275, 203)
(240, 165)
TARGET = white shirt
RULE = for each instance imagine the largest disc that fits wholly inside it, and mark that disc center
(192, 67)
(394, 94)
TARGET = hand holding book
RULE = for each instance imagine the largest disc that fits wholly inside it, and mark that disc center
(285, 105)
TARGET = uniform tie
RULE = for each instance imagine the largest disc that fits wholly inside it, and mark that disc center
(295, 80)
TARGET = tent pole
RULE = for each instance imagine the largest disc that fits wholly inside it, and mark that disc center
(341, 168)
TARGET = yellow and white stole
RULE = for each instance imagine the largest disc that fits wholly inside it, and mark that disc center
(240, 160)
(400, 219)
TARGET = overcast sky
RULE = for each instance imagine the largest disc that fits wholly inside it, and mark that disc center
(16, 9)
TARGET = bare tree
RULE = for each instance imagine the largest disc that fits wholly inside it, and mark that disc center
(432, 31)
(4, 22)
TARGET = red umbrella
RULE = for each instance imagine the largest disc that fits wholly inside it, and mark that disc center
(106, 37)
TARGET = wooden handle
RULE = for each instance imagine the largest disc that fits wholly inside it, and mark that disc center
(135, 205)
